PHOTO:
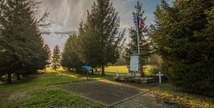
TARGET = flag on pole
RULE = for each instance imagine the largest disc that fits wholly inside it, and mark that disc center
(140, 23)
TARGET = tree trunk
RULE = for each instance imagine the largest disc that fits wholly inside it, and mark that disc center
(92, 71)
(103, 70)
(18, 76)
(55, 67)
(9, 79)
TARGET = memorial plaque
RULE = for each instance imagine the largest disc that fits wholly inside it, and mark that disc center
(134, 62)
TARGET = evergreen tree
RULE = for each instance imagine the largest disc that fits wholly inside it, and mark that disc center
(184, 34)
(132, 46)
(99, 35)
(20, 37)
(70, 57)
(56, 57)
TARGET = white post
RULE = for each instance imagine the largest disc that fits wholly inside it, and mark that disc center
(159, 74)
(117, 73)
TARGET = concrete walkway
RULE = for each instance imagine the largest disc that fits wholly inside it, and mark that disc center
(115, 94)
(141, 101)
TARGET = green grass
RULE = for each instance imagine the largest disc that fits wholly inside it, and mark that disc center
(123, 70)
(169, 93)
(55, 98)
(38, 91)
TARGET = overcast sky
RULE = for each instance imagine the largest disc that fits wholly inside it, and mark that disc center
(65, 15)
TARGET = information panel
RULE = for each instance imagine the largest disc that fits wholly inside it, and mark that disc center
(134, 63)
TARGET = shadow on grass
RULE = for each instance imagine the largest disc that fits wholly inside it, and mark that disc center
(22, 80)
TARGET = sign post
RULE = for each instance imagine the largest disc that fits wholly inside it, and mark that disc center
(117, 73)
(87, 68)
(87, 75)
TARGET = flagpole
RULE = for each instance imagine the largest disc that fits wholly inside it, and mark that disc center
(138, 44)
(138, 37)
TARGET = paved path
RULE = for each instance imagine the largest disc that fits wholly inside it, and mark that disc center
(115, 94)
(140, 101)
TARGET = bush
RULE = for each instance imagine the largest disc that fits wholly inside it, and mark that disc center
(194, 78)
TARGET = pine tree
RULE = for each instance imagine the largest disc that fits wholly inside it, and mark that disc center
(184, 34)
(132, 46)
(20, 37)
(56, 57)
(70, 57)
(101, 41)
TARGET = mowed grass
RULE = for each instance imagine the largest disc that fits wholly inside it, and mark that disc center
(38, 91)
(123, 70)
(54, 98)
(167, 92)
(114, 69)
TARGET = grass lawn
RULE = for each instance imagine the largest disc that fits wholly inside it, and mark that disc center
(169, 93)
(123, 70)
(39, 91)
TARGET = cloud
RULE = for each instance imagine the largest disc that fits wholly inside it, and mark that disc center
(66, 15)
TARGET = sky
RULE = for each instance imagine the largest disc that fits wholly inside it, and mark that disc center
(66, 15)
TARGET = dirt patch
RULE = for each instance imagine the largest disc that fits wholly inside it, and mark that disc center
(105, 92)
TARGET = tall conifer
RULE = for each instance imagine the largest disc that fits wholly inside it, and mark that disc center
(20, 39)
(101, 40)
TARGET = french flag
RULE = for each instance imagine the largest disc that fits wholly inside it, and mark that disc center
(140, 23)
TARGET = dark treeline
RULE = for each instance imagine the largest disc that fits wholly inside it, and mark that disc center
(22, 49)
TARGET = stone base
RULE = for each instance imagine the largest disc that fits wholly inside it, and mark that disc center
(143, 80)
(121, 78)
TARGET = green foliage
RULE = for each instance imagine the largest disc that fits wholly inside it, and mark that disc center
(56, 57)
(21, 42)
(70, 56)
(99, 40)
(183, 34)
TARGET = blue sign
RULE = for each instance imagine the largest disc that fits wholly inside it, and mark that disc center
(87, 68)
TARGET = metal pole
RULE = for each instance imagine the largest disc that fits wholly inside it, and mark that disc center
(138, 38)
(138, 47)
(87, 75)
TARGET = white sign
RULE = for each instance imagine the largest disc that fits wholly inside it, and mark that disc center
(134, 63)
(159, 74)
